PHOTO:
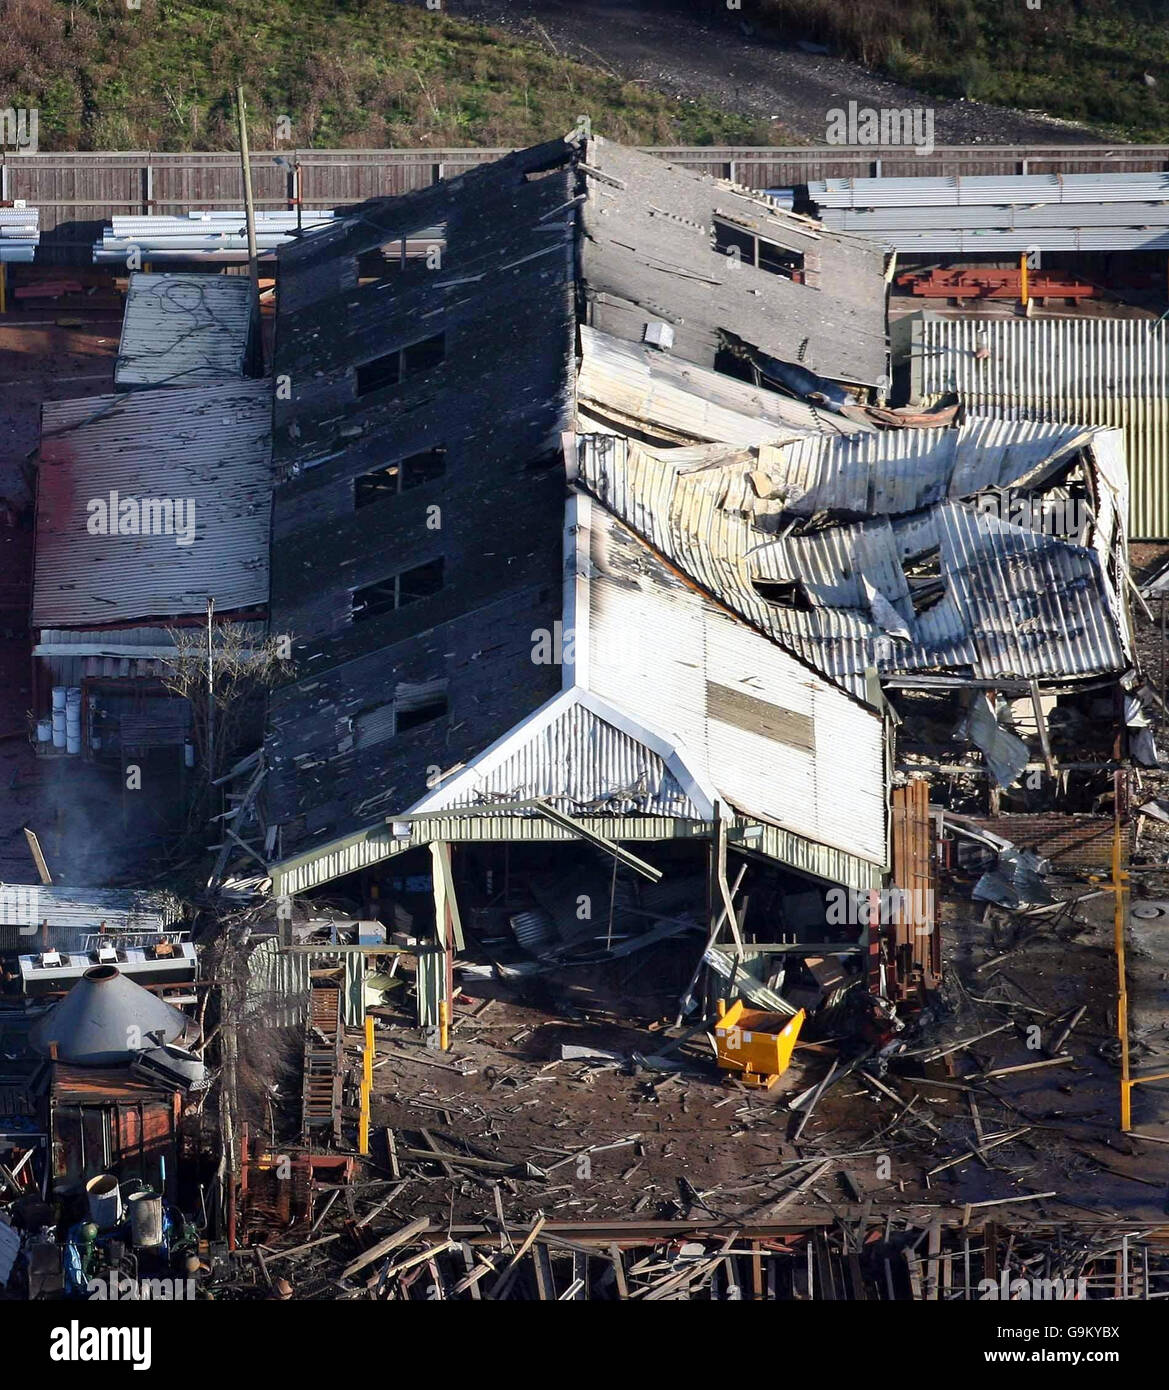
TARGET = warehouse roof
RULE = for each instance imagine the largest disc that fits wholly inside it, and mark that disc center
(150, 503)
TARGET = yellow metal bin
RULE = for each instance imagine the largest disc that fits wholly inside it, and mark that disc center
(755, 1044)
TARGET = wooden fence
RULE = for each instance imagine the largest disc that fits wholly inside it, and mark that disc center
(79, 192)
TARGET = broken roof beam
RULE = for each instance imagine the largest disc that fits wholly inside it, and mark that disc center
(558, 818)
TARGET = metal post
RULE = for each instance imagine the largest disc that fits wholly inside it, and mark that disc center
(210, 695)
(249, 206)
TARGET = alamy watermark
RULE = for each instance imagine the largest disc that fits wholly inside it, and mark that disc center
(1052, 516)
(18, 128)
(142, 516)
(20, 906)
(880, 907)
(911, 127)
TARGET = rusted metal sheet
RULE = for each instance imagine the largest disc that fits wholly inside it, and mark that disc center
(911, 926)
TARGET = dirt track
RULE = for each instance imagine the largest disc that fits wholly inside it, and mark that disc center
(694, 48)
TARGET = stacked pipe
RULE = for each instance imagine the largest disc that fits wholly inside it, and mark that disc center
(199, 236)
(20, 233)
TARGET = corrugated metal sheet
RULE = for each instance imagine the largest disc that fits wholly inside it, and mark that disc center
(71, 655)
(1094, 371)
(85, 909)
(581, 763)
(1016, 604)
(900, 471)
(208, 448)
(989, 215)
(629, 384)
(808, 758)
(279, 982)
(200, 236)
(182, 329)
(987, 241)
(308, 870)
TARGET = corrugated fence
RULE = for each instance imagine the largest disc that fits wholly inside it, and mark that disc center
(1076, 371)
(79, 192)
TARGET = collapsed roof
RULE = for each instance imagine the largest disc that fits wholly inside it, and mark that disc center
(883, 551)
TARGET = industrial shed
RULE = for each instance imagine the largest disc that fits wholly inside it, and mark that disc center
(150, 506)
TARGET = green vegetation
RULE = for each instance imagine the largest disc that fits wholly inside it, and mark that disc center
(1081, 60)
(346, 73)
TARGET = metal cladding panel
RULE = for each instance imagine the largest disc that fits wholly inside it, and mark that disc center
(988, 241)
(1059, 589)
(643, 384)
(278, 985)
(988, 190)
(1040, 218)
(902, 471)
(213, 235)
(685, 645)
(1035, 603)
(1102, 372)
(208, 448)
(182, 329)
(86, 909)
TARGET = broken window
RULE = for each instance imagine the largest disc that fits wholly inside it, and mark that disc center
(755, 250)
(419, 704)
(400, 476)
(784, 593)
(397, 590)
(395, 366)
(413, 704)
(427, 244)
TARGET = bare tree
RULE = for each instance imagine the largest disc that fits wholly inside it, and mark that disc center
(224, 671)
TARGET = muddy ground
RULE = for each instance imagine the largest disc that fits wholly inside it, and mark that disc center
(686, 1144)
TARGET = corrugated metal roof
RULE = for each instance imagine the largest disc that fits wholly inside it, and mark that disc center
(207, 448)
(374, 844)
(86, 909)
(1015, 604)
(627, 384)
(182, 329)
(1111, 372)
(898, 471)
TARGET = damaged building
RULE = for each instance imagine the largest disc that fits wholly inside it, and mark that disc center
(767, 614)
(492, 662)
